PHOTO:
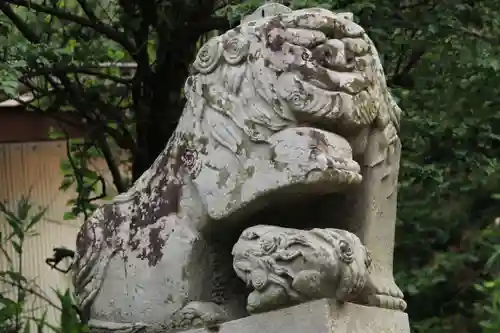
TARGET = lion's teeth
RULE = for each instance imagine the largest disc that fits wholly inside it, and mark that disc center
(342, 177)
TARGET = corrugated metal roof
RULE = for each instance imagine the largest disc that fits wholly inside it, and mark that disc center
(11, 103)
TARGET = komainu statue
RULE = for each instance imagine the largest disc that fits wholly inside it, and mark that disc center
(288, 123)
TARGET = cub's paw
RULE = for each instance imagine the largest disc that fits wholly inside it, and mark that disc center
(383, 293)
(198, 314)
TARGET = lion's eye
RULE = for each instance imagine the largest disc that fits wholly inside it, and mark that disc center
(305, 56)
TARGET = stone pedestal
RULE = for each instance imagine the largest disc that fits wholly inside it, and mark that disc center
(322, 316)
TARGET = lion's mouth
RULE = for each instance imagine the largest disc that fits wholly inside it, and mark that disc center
(334, 153)
(335, 80)
(338, 169)
(338, 175)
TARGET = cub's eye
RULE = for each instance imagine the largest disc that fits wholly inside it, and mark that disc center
(346, 253)
(270, 244)
(305, 56)
(313, 155)
(368, 259)
(250, 235)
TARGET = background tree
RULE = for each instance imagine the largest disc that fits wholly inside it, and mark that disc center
(69, 54)
(442, 63)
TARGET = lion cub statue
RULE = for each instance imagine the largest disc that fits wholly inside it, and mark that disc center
(289, 266)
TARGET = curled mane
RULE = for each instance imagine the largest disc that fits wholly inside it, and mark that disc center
(224, 98)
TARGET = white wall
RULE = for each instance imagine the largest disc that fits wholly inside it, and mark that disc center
(36, 167)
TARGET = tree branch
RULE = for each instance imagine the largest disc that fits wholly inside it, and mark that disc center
(477, 34)
(110, 161)
(219, 4)
(402, 78)
(77, 70)
(90, 14)
(140, 34)
(124, 138)
(100, 27)
(103, 194)
(78, 177)
(51, 113)
(409, 5)
(209, 24)
(76, 97)
(19, 23)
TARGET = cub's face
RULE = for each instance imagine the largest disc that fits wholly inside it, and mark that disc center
(270, 256)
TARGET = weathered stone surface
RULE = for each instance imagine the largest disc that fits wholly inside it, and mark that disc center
(263, 103)
(286, 266)
(322, 316)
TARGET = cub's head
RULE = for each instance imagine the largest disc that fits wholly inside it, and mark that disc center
(284, 265)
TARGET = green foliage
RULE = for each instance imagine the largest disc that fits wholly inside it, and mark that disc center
(450, 168)
(78, 171)
(74, 56)
(17, 290)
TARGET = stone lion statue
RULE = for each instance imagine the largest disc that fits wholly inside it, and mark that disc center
(281, 108)
(286, 266)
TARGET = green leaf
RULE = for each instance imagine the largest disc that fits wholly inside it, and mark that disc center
(69, 216)
(17, 247)
(66, 183)
(16, 277)
(23, 209)
(36, 218)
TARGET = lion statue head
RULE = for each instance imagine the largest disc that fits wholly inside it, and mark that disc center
(279, 104)
(286, 265)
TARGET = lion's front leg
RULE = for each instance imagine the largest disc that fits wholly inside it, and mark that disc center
(373, 217)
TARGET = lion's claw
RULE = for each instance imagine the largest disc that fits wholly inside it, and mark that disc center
(383, 293)
(386, 302)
